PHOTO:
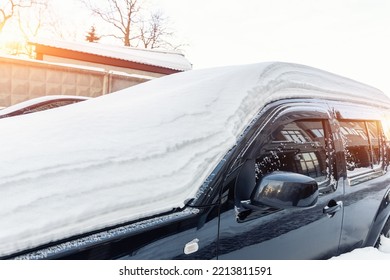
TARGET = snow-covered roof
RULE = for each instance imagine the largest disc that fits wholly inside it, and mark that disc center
(140, 151)
(165, 59)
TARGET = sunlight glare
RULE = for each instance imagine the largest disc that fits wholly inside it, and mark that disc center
(11, 41)
(386, 126)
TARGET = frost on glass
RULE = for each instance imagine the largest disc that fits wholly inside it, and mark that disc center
(299, 147)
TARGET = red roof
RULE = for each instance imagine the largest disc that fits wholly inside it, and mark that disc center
(164, 62)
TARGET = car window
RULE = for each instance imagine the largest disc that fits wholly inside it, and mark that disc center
(299, 146)
(374, 137)
(362, 144)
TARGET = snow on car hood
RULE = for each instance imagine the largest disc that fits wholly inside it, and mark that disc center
(137, 152)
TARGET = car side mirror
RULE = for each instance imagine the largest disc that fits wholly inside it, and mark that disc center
(285, 190)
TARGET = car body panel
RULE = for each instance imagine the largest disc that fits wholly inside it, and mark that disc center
(287, 233)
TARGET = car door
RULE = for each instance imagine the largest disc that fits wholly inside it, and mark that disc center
(298, 140)
(366, 181)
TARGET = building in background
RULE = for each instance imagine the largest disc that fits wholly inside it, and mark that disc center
(147, 62)
(82, 69)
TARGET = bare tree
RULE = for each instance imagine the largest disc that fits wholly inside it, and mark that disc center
(154, 32)
(120, 14)
(60, 30)
(28, 16)
(128, 18)
(31, 23)
(8, 9)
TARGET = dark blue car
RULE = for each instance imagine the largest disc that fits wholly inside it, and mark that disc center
(264, 161)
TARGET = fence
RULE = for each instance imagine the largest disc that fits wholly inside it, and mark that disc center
(22, 79)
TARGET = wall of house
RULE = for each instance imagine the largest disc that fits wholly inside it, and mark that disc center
(56, 59)
(22, 79)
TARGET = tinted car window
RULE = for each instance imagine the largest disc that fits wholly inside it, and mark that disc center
(374, 133)
(362, 149)
(299, 147)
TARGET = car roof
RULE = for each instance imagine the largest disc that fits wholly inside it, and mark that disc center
(140, 151)
(40, 104)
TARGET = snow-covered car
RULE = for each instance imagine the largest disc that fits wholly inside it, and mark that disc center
(262, 161)
(40, 104)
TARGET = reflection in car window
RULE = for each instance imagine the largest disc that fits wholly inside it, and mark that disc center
(299, 147)
(373, 133)
(362, 149)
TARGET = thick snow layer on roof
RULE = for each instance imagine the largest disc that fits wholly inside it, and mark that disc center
(139, 151)
(165, 59)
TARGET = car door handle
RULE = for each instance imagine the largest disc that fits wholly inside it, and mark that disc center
(332, 207)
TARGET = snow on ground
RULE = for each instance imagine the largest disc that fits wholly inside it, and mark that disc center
(141, 151)
(369, 253)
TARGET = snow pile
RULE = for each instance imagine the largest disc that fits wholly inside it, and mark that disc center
(141, 151)
(369, 253)
(385, 245)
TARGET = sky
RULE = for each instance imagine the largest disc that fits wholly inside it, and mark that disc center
(347, 37)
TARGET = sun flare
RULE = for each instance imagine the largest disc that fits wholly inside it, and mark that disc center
(386, 126)
(11, 42)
